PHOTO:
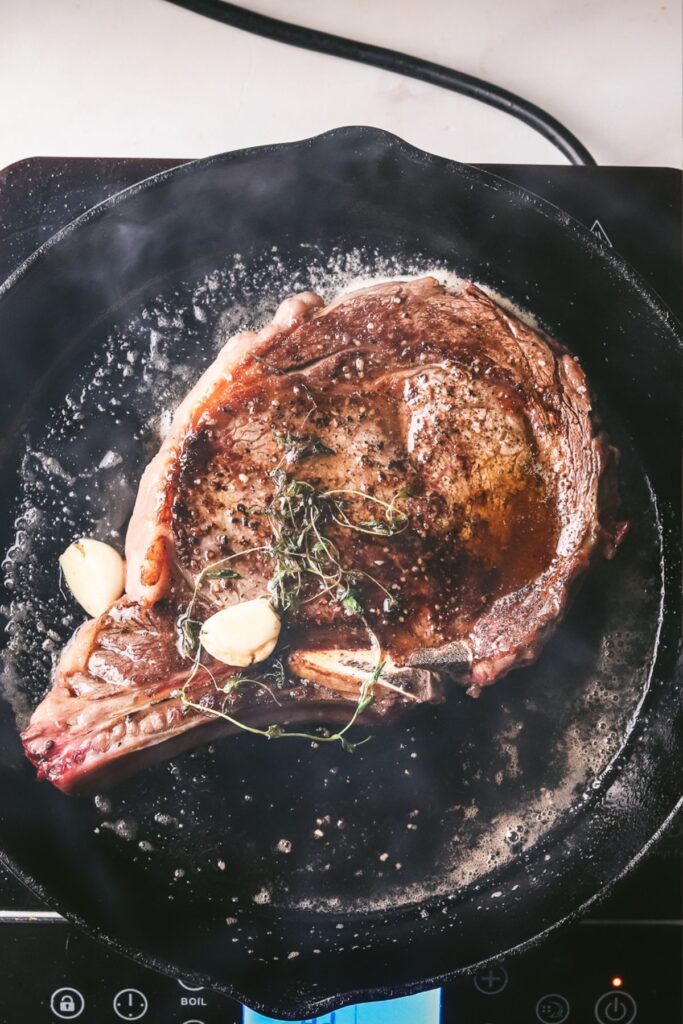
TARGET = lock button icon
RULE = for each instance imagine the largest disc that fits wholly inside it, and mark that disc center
(67, 1003)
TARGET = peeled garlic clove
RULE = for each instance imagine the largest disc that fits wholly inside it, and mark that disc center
(242, 634)
(95, 574)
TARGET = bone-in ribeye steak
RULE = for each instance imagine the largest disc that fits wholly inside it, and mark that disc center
(484, 428)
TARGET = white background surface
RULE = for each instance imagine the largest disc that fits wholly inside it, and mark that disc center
(145, 78)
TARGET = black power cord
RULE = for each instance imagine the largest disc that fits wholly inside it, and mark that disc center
(400, 64)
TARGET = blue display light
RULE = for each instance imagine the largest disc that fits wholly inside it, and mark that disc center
(422, 1008)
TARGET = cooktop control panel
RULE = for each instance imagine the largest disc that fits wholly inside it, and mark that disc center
(619, 964)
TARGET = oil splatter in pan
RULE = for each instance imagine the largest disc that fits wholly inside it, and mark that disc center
(433, 804)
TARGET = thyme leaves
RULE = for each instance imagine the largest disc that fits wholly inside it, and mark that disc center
(299, 446)
(307, 565)
(275, 731)
(189, 630)
(299, 514)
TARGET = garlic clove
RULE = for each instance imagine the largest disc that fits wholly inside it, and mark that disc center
(242, 634)
(94, 573)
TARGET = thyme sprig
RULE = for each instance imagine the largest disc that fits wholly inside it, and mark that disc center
(189, 626)
(301, 553)
(299, 446)
(299, 513)
(273, 732)
(395, 521)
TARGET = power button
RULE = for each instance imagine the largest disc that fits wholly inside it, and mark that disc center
(615, 1008)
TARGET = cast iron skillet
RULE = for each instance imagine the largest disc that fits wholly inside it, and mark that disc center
(461, 834)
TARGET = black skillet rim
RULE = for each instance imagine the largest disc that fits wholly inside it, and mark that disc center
(487, 180)
(359, 133)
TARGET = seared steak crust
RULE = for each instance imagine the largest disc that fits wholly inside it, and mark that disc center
(482, 426)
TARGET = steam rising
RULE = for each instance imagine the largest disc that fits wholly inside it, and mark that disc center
(425, 808)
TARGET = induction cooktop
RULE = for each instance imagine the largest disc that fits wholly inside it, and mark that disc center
(619, 964)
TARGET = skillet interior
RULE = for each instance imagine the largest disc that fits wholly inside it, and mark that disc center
(511, 791)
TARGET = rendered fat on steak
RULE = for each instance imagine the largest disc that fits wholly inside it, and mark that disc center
(437, 403)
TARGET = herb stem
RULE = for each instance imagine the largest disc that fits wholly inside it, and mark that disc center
(298, 513)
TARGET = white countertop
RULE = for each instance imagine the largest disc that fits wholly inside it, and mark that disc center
(145, 78)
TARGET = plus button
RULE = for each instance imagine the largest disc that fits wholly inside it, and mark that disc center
(491, 980)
